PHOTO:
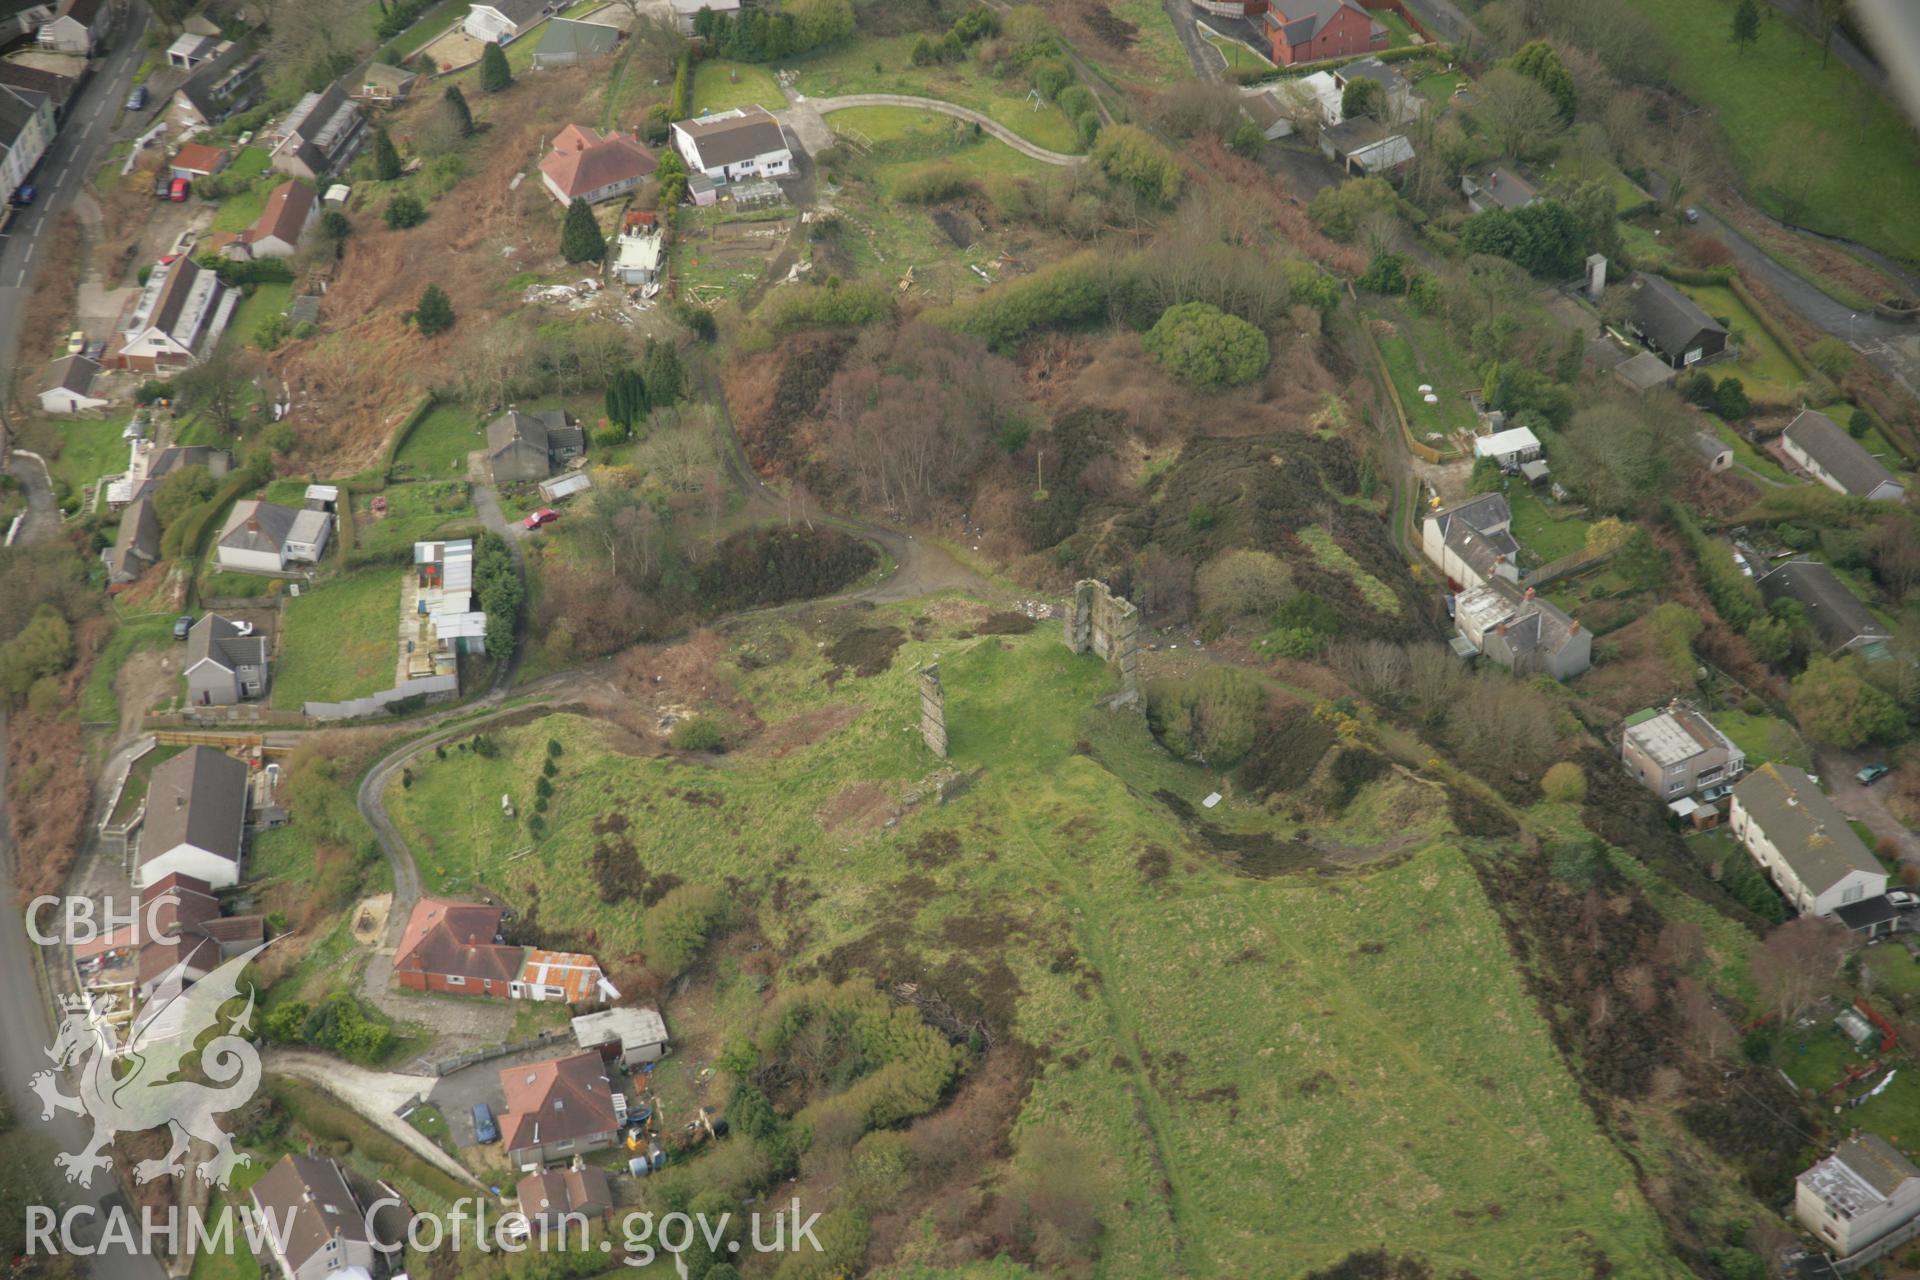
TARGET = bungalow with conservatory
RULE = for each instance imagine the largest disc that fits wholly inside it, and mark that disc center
(459, 948)
(1824, 450)
(265, 537)
(1802, 841)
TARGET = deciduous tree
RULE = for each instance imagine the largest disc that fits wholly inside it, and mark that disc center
(1521, 117)
(1835, 704)
(1798, 963)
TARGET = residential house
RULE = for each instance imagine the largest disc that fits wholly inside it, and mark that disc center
(137, 548)
(291, 211)
(588, 165)
(1673, 324)
(1498, 188)
(1309, 30)
(1521, 631)
(59, 85)
(190, 51)
(1365, 147)
(1841, 621)
(1509, 448)
(1802, 841)
(640, 254)
(265, 537)
(197, 160)
(685, 12)
(225, 85)
(527, 446)
(319, 135)
(21, 18)
(564, 1200)
(68, 386)
(456, 948)
(148, 464)
(79, 27)
(196, 819)
(222, 665)
(319, 1226)
(1675, 751)
(1826, 452)
(502, 21)
(746, 142)
(1232, 8)
(180, 936)
(1472, 541)
(180, 314)
(1863, 1192)
(558, 1109)
(635, 1036)
(386, 85)
(1717, 452)
(26, 131)
(1275, 108)
(447, 623)
(565, 43)
(1396, 95)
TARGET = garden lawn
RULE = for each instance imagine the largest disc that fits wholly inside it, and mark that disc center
(1747, 455)
(906, 139)
(251, 162)
(428, 26)
(1864, 158)
(1419, 351)
(415, 512)
(1764, 367)
(439, 443)
(80, 450)
(1820, 1058)
(850, 68)
(98, 702)
(1155, 42)
(721, 86)
(337, 639)
(1239, 55)
(1413, 1082)
(266, 302)
(242, 209)
(1762, 738)
(1539, 531)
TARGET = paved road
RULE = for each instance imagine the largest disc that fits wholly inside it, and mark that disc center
(376, 1095)
(63, 171)
(1865, 804)
(994, 127)
(42, 516)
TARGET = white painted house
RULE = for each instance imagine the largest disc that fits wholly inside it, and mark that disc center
(1827, 453)
(502, 21)
(80, 27)
(1861, 1193)
(26, 131)
(179, 315)
(68, 387)
(1803, 842)
(265, 537)
(1509, 448)
(1472, 541)
(196, 819)
(746, 142)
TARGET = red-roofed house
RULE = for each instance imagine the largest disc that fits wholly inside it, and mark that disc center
(593, 166)
(557, 1109)
(454, 947)
(290, 211)
(198, 160)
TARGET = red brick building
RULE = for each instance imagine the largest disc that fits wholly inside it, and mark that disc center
(453, 947)
(1309, 30)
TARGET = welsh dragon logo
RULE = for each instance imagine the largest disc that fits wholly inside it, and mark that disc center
(137, 1085)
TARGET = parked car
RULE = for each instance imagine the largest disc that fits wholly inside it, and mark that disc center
(1692, 214)
(182, 625)
(76, 342)
(1903, 899)
(545, 515)
(1872, 774)
(485, 1128)
(23, 196)
(137, 100)
(243, 628)
(177, 190)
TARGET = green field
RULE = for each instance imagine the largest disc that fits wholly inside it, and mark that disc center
(439, 443)
(1154, 42)
(265, 302)
(1420, 351)
(850, 68)
(1762, 738)
(1864, 158)
(416, 512)
(79, 450)
(337, 640)
(1539, 531)
(721, 86)
(1764, 366)
(1255, 1090)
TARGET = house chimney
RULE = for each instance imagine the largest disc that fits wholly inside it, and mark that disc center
(1528, 595)
(1501, 629)
(1573, 628)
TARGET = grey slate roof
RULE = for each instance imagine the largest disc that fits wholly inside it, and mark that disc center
(139, 542)
(311, 1200)
(199, 798)
(1837, 614)
(1644, 370)
(518, 12)
(581, 39)
(1668, 317)
(1839, 454)
(258, 526)
(1488, 511)
(736, 138)
(545, 431)
(217, 638)
(73, 373)
(1802, 823)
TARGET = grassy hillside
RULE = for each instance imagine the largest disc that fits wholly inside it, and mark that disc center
(1863, 155)
(1262, 1071)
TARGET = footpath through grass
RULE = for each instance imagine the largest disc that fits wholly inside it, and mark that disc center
(1256, 1089)
(1789, 121)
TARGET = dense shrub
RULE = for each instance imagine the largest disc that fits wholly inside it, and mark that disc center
(701, 733)
(1132, 158)
(1060, 296)
(677, 927)
(1210, 717)
(1204, 347)
(930, 184)
(771, 566)
(848, 305)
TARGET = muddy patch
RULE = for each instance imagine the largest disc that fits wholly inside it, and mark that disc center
(803, 729)
(958, 226)
(858, 808)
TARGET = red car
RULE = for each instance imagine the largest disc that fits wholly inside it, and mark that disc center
(545, 515)
(178, 191)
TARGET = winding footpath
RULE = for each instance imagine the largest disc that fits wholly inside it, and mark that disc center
(825, 106)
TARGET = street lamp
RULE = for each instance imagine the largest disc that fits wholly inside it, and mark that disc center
(1850, 320)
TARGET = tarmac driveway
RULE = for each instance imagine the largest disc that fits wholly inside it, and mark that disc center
(1866, 804)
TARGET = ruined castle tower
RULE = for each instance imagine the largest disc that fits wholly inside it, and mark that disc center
(1109, 627)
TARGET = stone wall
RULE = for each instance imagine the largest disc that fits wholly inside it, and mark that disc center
(1107, 626)
(933, 710)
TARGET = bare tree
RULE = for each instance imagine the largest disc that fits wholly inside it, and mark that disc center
(627, 529)
(1708, 1030)
(1519, 115)
(312, 42)
(1798, 963)
(217, 387)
